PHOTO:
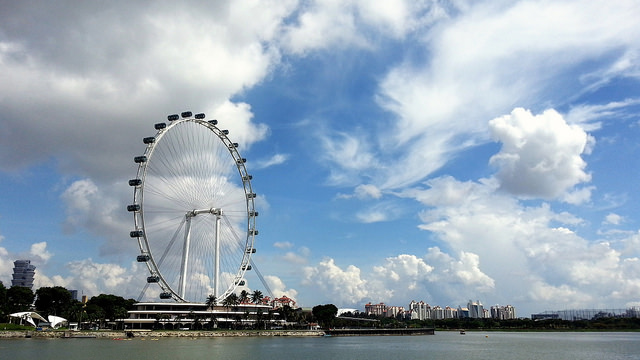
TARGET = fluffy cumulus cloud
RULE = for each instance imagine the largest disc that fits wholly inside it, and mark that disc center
(504, 250)
(435, 276)
(5, 266)
(532, 242)
(101, 211)
(279, 288)
(109, 83)
(540, 155)
(342, 286)
(326, 24)
(481, 64)
(613, 219)
(39, 251)
(95, 278)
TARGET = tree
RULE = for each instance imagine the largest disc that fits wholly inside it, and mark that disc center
(109, 307)
(53, 300)
(229, 301)
(256, 297)
(325, 314)
(211, 301)
(19, 298)
(244, 296)
(3, 300)
(259, 314)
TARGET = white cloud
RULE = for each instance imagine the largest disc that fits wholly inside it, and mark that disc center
(278, 287)
(613, 219)
(236, 117)
(351, 153)
(324, 24)
(101, 211)
(401, 277)
(294, 258)
(481, 63)
(540, 155)
(92, 278)
(39, 250)
(372, 216)
(283, 244)
(365, 191)
(578, 196)
(465, 271)
(342, 286)
(405, 273)
(87, 88)
(6, 266)
(276, 159)
(494, 232)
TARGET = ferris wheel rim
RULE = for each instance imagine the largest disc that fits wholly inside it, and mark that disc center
(138, 207)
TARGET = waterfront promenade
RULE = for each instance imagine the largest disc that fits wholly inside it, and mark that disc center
(156, 334)
(219, 333)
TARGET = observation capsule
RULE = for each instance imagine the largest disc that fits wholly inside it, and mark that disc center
(149, 140)
(134, 207)
(136, 233)
(213, 122)
(199, 116)
(135, 182)
(160, 126)
(140, 159)
(153, 279)
(143, 258)
(165, 295)
(186, 114)
(173, 117)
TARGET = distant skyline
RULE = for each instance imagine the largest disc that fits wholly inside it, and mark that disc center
(435, 150)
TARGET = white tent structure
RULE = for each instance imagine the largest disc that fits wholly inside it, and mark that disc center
(28, 316)
(56, 321)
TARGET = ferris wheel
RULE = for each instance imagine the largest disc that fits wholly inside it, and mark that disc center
(193, 209)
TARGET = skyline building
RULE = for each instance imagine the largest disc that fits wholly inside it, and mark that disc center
(23, 273)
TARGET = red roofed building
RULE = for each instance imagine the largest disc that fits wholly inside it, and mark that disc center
(281, 302)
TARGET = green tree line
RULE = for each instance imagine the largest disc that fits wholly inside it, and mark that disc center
(99, 310)
(598, 324)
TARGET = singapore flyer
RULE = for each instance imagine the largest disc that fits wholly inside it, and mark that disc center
(194, 210)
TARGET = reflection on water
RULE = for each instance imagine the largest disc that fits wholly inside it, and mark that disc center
(443, 345)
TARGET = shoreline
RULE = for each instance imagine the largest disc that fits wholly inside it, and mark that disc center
(122, 334)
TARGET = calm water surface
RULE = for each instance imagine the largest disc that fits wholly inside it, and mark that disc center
(443, 345)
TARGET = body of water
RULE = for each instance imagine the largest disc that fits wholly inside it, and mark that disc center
(443, 345)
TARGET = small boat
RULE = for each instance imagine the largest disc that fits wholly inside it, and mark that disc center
(462, 332)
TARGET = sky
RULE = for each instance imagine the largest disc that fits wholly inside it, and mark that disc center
(436, 151)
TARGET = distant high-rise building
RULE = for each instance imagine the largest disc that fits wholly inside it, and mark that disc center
(23, 273)
(375, 309)
(476, 310)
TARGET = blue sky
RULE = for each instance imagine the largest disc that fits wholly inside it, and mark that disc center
(437, 150)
